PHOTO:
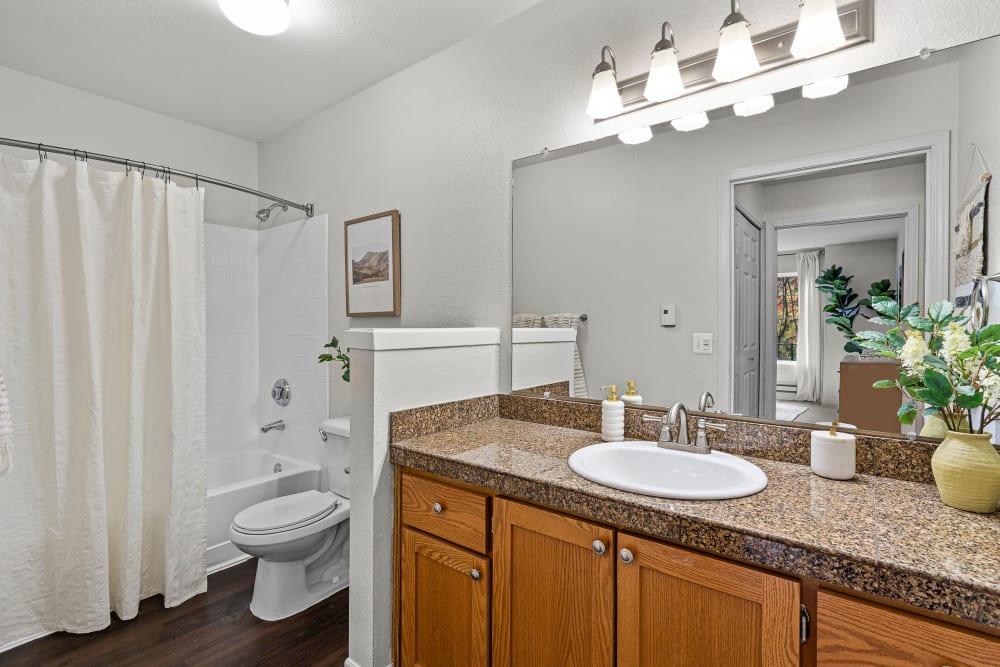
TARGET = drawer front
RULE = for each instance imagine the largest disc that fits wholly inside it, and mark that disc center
(453, 514)
(857, 632)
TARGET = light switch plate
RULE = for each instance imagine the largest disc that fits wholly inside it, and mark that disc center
(668, 315)
(702, 343)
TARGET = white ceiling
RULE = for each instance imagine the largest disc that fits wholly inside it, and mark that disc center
(184, 59)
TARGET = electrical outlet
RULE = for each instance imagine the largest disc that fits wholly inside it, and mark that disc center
(702, 343)
(668, 315)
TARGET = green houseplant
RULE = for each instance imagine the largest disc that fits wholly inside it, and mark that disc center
(341, 356)
(954, 373)
(843, 304)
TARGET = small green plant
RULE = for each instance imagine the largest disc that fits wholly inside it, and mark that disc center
(841, 299)
(341, 356)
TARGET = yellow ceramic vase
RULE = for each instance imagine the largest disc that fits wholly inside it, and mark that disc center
(967, 472)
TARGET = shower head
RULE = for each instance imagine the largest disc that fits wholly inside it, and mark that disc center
(265, 213)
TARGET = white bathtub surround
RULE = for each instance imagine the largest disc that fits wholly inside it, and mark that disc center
(6, 431)
(103, 288)
(294, 326)
(396, 369)
(542, 356)
(241, 479)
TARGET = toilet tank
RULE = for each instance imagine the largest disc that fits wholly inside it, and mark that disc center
(337, 455)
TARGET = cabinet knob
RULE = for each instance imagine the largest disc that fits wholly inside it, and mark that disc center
(599, 547)
(437, 508)
(626, 556)
(474, 574)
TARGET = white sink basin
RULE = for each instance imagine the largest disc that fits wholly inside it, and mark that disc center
(642, 467)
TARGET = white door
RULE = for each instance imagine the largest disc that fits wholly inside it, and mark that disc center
(746, 307)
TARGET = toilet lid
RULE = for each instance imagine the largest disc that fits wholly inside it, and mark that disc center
(285, 512)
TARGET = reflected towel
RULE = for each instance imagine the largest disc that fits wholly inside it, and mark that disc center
(6, 431)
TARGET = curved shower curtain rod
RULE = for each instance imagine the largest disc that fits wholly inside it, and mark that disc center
(44, 149)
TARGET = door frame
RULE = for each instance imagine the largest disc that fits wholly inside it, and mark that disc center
(768, 355)
(934, 147)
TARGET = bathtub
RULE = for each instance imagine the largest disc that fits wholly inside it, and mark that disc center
(237, 481)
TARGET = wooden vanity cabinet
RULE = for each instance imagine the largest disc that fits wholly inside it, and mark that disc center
(553, 589)
(855, 632)
(679, 608)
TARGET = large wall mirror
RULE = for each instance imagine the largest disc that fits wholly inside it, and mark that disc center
(690, 263)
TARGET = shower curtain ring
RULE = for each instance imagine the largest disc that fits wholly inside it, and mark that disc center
(142, 171)
(128, 168)
(42, 153)
(85, 156)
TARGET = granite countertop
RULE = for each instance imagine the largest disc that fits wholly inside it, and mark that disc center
(876, 535)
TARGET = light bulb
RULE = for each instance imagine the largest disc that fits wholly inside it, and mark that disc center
(819, 30)
(695, 121)
(638, 135)
(754, 105)
(605, 100)
(825, 88)
(261, 17)
(735, 58)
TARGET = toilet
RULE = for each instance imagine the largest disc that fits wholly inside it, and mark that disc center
(301, 541)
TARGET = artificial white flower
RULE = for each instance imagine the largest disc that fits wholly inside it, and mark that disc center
(913, 352)
(956, 341)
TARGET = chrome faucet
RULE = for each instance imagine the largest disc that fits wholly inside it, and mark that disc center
(674, 431)
(278, 425)
(706, 402)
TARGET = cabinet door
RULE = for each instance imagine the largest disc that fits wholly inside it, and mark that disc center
(553, 595)
(445, 602)
(856, 632)
(684, 609)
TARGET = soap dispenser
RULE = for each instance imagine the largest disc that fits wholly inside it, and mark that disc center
(630, 396)
(612, 416)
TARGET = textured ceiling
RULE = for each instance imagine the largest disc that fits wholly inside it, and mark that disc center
(184, 59)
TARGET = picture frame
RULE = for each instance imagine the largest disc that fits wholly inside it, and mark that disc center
(371, 265)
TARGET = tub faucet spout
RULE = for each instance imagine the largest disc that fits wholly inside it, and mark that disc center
(278, 425)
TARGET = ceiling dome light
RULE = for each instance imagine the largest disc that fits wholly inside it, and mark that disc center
(664, 80)
(639, 135)
(695, 121)
(605, 100)
(735, 58)
(261, 17)
(819, 30)
(754, 105)
(825, 88)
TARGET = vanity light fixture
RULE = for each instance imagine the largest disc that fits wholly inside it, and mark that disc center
(735, 58)
(825, 88)
(260, 17)
(754, 105)
(695, 121)
(605, 100)
(819, 30)
(664, 80)
(639, 135)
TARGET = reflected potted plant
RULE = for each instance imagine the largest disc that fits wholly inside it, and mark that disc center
(955, 373)
(341, 356)
(841, 301)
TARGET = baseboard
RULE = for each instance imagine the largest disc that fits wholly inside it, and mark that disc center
(225, 565)
(21, 642)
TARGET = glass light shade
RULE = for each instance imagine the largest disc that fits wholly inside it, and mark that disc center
(695, 121)
(754, 105)
(819, 29)
(825, 88)
(735, 58)
(605, 101)
(260, 17)
(639, 135)
(664, 82)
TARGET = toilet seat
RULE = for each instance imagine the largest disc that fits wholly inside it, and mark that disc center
(285, 513)
(303, 529)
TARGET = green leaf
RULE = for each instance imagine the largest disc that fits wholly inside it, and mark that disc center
(937, 382)
(968, 402)
(989, 334)
(886, 306)
(325, 357)
(936, 362)
(940, 310)
(907, 413)
(873, 335)
(850, 346)
(909, 311)
(930, 411)
(883, 384)
(920, 323)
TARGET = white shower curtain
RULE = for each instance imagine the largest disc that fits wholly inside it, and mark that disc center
(808, 354)
(102, 310)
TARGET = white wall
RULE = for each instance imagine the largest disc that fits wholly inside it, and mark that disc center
(616, 232)
(233, 345)
(38, 110)
(293, 321)
(436, 140)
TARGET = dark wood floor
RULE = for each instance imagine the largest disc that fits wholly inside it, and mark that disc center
(213, 629)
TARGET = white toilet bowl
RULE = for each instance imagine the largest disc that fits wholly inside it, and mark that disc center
(301, 541)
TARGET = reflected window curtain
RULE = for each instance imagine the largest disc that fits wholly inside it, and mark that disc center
(808, 354)
(102, 308)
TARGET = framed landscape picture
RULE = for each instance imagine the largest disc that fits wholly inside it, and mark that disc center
(371, 253)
